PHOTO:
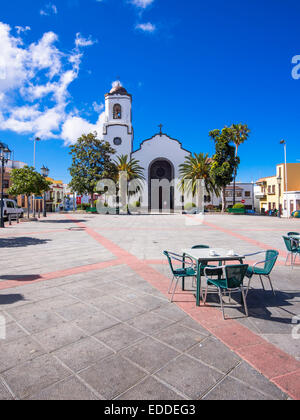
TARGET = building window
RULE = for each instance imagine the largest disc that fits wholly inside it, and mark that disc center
(238, 194)
(269, 189)
(228, 193)
(117, 112)
(160, 172)
(5, 183)
(247, 194)
(273, 189)
(117, 141)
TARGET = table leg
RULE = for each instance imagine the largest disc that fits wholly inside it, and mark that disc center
(243, 303)
(183, 278)
(198, 283)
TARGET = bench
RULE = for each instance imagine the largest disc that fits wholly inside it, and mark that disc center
(236, 211)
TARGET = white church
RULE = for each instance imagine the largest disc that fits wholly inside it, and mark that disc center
(160, 156)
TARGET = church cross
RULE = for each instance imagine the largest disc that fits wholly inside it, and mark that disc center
(160, 132)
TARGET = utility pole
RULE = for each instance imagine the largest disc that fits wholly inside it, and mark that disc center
(283, 142)
(34, 150)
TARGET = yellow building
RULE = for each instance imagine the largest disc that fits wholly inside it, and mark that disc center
(281, 191)
(55, 197)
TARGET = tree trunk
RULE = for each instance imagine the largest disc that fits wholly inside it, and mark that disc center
(235, 172)
(117, 201)
(28, 207)
(223, 199)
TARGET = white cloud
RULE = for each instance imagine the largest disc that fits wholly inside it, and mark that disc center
(34, 85)
(75, 126)
(48, 10)
(146, 27)
(142, 3)
(98, 107)
(80, 41)
(21, 29)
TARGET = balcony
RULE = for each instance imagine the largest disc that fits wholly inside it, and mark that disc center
(261, 196)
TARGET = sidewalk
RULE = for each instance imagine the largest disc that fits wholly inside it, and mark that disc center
(87, 314)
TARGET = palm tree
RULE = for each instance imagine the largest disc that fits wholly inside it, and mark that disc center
(195, 168)
(241, 133)
(129, 168)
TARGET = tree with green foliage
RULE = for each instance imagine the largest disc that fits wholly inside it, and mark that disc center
(27, 181)
(196, 167)
(133, 172)
(241, 133)
(91, 157)
(224, 162)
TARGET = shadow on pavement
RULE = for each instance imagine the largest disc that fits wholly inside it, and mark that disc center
(21, 242)
(21, 277)
(260, 303)
(10, 299)
(63, 221)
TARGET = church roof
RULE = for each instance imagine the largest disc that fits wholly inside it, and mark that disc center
(118, 89)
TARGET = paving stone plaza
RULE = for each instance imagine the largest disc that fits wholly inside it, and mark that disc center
(85, 312)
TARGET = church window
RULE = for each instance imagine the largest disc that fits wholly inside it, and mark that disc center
(117, 141)
(117, 112)
(160, 172)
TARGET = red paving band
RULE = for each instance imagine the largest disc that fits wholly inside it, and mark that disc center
(279, 367)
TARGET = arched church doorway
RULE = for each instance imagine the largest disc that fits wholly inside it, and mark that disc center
(161, 188)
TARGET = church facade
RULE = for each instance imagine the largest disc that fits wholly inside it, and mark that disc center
(160, 155)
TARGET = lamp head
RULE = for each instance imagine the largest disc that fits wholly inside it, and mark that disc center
(5, 152)
(45, 171)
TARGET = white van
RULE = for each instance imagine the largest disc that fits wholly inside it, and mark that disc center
(10, 207)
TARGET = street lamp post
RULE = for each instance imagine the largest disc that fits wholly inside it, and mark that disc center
(279, 180)
(45, 172)
(283, 142)
(34, 154)
(4, 157)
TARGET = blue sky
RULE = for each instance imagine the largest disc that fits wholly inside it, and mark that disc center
(191, 65)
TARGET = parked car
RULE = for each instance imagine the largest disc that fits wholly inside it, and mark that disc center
(11, 207)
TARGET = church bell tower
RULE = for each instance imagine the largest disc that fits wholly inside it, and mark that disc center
(117, 128)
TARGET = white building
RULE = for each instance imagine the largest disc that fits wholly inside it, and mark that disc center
(160, 156)
(244, 194)
(14, 164)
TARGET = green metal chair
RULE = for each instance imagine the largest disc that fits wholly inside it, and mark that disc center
(187, 269)
(265, 271)
(200, 247)
(230, 282)
(292, 245)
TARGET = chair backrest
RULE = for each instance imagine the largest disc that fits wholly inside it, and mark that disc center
(200, 247)
(172, 256)
(290, 243)
(235, 275)
(293, 234)
(203, 263)
(271, 258)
